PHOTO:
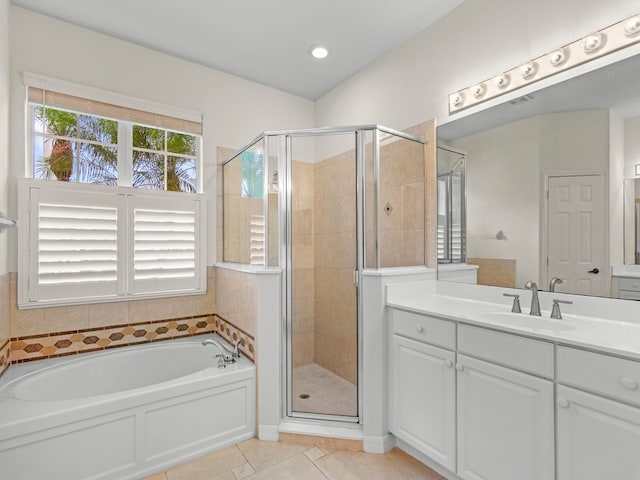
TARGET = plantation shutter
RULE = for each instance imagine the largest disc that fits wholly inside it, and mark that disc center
(74, 245)
(165, 244)
(90, 243)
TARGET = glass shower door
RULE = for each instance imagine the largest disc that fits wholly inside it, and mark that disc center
(323, 316)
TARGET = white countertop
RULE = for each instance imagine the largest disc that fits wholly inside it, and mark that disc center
(609, 336)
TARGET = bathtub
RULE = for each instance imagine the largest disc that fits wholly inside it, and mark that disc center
(122, 414)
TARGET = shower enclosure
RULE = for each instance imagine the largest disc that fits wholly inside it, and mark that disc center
(451, 206)
(325, 204)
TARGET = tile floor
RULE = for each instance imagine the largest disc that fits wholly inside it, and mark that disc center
(258, 460)
(328, 392)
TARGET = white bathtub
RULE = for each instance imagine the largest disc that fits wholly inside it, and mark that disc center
(122, 414)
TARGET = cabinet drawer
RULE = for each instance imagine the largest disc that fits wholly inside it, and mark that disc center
(628, 295)
(534, 356)
(425, 329)
(632, 284)
(611, 376)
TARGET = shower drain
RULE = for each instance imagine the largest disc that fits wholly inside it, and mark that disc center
(304, 396)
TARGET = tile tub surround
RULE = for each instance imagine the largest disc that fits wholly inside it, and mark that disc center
(5, 352)
(49, 320)
(39, 347)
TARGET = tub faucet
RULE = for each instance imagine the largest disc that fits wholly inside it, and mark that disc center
(225, 356)
(553, 282)
(535, 302)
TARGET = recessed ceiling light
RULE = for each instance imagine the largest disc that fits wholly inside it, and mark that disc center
(318, 51)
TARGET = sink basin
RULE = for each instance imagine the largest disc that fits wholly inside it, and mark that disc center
(530, 322)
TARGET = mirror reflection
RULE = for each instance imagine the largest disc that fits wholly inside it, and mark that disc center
(545, 188)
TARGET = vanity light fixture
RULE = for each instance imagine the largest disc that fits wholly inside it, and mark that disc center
(457, 99)
(319, 52)
(607, 40)
(502, 81)
(528, 70)
(632, 26)
(478, 90)
(593, 42)
(558, 57)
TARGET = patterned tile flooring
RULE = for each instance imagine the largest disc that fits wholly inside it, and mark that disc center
(258, 460)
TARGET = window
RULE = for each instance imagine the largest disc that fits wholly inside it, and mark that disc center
(252, 174)
(86, 141)
(113, 210)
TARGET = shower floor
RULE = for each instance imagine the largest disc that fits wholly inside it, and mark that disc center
(327, 392)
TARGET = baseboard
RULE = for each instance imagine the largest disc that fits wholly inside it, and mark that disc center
(378, 444)
(269, 433)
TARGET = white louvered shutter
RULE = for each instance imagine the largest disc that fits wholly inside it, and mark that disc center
(166, 244)
(74, 245)
(90, 243)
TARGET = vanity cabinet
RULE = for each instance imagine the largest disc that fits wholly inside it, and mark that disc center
(422, 399)
(505, 427)
(598, 428)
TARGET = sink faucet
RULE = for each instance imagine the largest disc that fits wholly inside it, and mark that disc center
(553, 282)
(226, 355)
(535, 303)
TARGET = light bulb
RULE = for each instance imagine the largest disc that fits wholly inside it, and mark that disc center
(319, 51)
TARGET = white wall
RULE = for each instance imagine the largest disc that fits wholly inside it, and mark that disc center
(478, 40)
(4, 124)
(503, 193)
(235, 110)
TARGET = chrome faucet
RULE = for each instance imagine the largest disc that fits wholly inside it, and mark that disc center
(535, 302)
(553, 282)
(226, 355)
(555, 311)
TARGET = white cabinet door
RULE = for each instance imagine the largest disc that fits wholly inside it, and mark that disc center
(423, 398)
(505, 423)
(597, 438)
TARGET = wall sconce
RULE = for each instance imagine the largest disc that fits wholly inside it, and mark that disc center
(615, 37)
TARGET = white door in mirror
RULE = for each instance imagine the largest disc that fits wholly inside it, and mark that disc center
(576, 234)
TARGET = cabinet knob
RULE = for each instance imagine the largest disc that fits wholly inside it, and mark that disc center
(459, 367)
(420, 329)
(629, 383)
(448, 363)
(563, 402)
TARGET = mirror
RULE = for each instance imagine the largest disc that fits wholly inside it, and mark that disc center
(551, 187)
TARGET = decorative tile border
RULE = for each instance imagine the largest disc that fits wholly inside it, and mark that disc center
(5, 356)
(232, 334)
(58, 344)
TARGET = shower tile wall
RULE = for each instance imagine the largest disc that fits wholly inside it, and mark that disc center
(302, 203)
(402, 202)
(335, 333)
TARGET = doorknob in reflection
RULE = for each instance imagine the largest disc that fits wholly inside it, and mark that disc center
(595, 271)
